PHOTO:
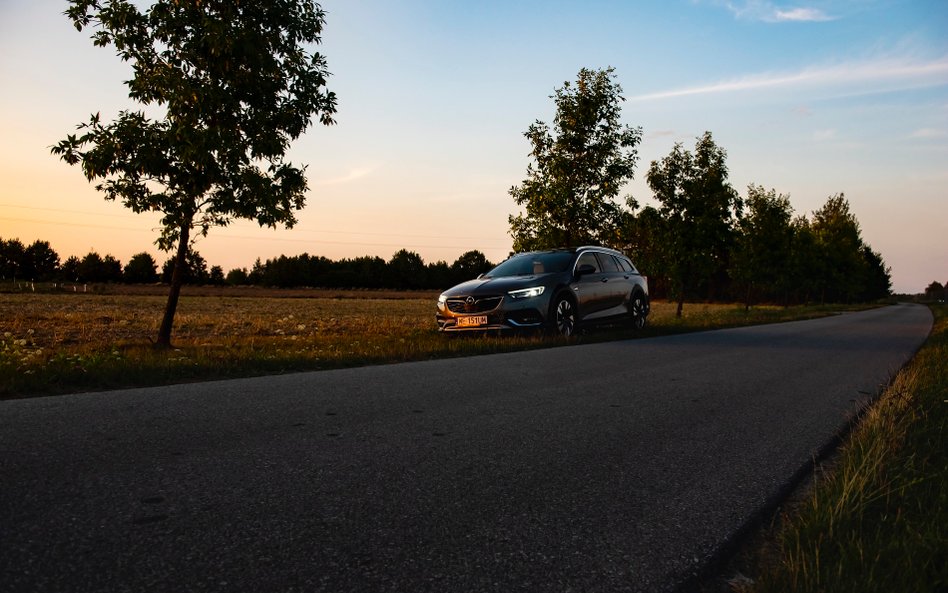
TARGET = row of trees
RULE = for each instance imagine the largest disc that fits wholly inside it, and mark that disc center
(703, 240)
(405, 270)
(39, 262)
(936, 291)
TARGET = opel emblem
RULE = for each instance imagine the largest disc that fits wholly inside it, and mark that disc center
(469, 300)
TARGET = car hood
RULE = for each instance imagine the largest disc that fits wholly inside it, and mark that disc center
(497, 286)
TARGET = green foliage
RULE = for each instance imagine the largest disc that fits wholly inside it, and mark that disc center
(141, 269)
(569, 195)
(195, 270)
(94, 268)
(698, 207)
(38, 262)
(236, 85)
(12, 259)
(760, 254)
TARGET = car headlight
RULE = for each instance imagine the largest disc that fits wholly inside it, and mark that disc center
(526, 293)
(442, 299)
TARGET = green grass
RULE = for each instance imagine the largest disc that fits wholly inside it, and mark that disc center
(62, 343)
(877, 518)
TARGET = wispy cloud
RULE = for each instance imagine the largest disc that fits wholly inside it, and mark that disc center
(928, 133)
(768, 12)
(352, 175)
(854, 78)
(801, 15)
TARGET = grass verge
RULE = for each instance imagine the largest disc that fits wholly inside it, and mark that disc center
(876, 519)
(68, 342)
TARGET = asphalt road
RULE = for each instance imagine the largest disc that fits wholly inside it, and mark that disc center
(622, 466)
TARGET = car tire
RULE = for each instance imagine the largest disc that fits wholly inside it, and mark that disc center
(638, 311)
(563, 319)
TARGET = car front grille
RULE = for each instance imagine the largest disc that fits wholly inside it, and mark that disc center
(473, 305)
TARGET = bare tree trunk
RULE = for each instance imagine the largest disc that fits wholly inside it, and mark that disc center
(177, 279)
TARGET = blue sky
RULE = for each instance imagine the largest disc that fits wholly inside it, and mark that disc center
(808, 98)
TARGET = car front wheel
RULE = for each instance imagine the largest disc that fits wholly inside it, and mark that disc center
(563, 315)
(638, 311)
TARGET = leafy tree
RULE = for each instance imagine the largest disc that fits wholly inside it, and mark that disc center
(92, 268)
(877, 283)
(43, 260)
(470, 265)
(761, 250)
(12, 257)
(698, 206)
(69, 270)
(803, 268)
(840, 250)
(237, 277)
(643, 238)
(216, 276)
(141, 269)
(236, 84)
(438, 275)
(935, 291)
(111, 269)
(569, 195)
(195, 269)
(406, 269)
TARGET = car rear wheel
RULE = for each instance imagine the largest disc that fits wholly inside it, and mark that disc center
(563, 315)
(638, 311)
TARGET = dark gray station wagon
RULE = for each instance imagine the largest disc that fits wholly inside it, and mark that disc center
(558, 290)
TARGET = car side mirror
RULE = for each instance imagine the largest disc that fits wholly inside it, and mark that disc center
(585, 269)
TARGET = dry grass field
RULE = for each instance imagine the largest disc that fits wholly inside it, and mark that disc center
(73, 341)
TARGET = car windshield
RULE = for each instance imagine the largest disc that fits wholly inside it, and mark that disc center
(528, 264)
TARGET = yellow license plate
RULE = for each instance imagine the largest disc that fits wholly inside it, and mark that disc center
(472, 321)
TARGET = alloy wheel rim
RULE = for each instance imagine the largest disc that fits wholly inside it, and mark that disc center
(564, 318)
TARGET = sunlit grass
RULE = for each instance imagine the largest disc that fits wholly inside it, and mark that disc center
(58, 343)
(877, 518)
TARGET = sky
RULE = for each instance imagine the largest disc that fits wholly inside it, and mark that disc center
(810, 98)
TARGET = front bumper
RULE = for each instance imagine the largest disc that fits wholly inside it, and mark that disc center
(510, 314)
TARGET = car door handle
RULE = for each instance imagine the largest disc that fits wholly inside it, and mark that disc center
(604, 279)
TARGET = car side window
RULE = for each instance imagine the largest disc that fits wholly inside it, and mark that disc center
(608, 263)
(625, 264)
(588, 259)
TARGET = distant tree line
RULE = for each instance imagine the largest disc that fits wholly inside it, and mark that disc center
(39, 262)
(757, 251)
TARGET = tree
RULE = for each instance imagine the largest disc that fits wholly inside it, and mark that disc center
(698, 206)
(195, 269)
(469, 265)
(877, 283)
(236, 84)
(43, 260)
(216, 276)
(840, 250)
(141, 269)
(12, 257)
(91, 268)
(761, 250)
(237, 277)
(569, 195)
(804, 266)
(69, 271)
(935, 291)
(642, 238)
(406, 269)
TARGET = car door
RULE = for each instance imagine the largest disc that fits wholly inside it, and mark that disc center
(614, 290)
(588, 288)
